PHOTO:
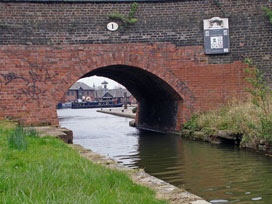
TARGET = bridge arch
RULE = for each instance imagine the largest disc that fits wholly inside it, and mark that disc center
(163, 99)
(34, 78)
(159, 104)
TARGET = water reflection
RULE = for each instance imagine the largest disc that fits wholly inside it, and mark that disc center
(219, 174)
(105, 134)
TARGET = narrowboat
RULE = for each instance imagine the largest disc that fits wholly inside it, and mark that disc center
(95, 104)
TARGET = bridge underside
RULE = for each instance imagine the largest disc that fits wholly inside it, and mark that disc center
(159, 105)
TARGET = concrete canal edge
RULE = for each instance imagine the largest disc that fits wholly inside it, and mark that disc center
(164, 190)
(62, 133)
(121, 114)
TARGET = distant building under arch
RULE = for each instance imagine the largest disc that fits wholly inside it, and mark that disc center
(82, 91)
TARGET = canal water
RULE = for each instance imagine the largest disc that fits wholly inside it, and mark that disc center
(218, 173)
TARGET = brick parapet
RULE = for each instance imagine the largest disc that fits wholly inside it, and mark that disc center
(177, 22)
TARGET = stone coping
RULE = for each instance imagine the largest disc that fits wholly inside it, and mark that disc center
(62, 133)
(164, 190)
(118, 113)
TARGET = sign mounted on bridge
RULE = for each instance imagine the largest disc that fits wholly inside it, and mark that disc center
(216, 35)
(112, 26)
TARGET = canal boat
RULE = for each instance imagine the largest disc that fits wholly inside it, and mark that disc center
(64, 105)
(95, 104)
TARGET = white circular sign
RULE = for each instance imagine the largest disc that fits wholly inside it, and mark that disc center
(112, 26)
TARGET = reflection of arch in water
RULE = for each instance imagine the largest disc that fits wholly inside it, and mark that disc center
(157, 152)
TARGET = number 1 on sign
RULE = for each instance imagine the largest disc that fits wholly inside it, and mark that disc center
(112, 26)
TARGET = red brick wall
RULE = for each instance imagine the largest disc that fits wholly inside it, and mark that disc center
(177, 22)
(46, 47)
(71, 97)
(34, 78)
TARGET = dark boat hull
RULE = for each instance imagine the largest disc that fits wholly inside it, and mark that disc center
(77, 105)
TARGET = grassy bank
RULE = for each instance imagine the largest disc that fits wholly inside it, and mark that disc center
(237, 117)
(45, 170)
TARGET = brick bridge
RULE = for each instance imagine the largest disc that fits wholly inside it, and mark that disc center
(47, 45)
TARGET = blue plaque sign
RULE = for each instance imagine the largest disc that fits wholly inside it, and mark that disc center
(216, 36)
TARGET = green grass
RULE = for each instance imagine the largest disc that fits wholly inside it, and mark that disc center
(17, 139)
(49, 171)
(238, 117)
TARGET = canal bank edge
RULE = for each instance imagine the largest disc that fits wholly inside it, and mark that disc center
(126, 113)
(64, 134)
(221, 136)
(121, 114)
(164, 190)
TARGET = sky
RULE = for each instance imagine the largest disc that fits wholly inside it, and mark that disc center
(98, 80)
